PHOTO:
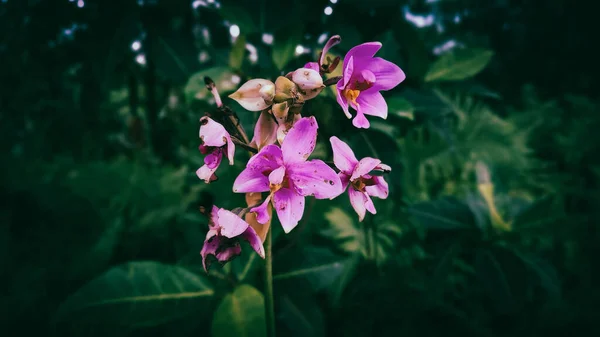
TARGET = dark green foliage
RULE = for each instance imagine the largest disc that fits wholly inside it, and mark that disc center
(490, 229)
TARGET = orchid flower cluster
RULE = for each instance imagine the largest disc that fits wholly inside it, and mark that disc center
(280, 170)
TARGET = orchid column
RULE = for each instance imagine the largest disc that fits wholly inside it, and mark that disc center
(280, 170)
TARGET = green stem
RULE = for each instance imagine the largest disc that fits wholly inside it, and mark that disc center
(269, 304)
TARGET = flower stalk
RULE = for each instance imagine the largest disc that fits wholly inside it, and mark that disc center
(269, 299)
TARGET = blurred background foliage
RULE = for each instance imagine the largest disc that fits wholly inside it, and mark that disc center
(490, 228)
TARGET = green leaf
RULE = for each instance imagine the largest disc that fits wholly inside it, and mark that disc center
(445, 213)
(240, 314)
(240, 16)
(399, 106)
(138, 294)
(237, 53)
(459, 64)
(285, 43)
(318, 266)
(196, 89)
(300, 314)
(342, 229)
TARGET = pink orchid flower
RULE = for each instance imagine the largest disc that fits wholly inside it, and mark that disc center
(364, 76)
(288, 176)
(355, 173)
(215, 141)
(222, 239)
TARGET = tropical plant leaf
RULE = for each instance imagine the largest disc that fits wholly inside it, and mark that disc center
(446, 213)
(195, 89)
(237, 53)
(344, 232)
(284, 47)
(301, 314)
(400, 107)
(240, 314)
(138, 294)
(459, 64)
(318, 266)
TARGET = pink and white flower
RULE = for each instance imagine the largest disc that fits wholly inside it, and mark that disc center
(356, 176)
(364, 76)
(286, 173)
(216, 141)
(222, 239)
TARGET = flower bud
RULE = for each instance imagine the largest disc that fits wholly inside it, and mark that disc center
(280, 111)
(265, 131)
(284, 89)
(307, 79)
(255, 95)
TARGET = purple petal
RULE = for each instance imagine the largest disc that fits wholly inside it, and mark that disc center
(254, 241)
(348, 71)
(276, 177)
(345, 179)
(289, 207)
(342, 101)
(206, 173)
(364, 166)
(371, 102)
(269, 157)
(330, 43)
(211, 244)
(300, 141)
(361, 202)
(380, 189)
(387, 74)
(315, 178)
(362, 51)
(212, 133)
(360, 121)
(312, 65)
(262, 215)
(230, 149)
(227, 254)
(231, 224)
(251, 180)
(213, 219)
(213, 159)
(343, 156)
(254, 178)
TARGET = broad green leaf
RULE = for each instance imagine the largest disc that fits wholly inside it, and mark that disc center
(318, 266)
(286, 40)
(196, 89)
(446, 213)
(240, 314)
(138, 294)
(459, 64)
(237, 53)
(399, 106)
(300, 314)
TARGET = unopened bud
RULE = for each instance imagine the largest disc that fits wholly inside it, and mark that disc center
(255, 95)
(265, 131)
(280, 111)
(284, 89)
(307, 79)
(309, 82)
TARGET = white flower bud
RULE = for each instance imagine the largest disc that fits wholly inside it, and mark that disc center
(255, 95)
(308, 81)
